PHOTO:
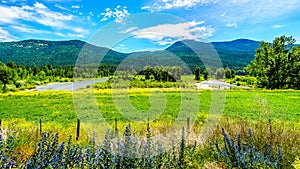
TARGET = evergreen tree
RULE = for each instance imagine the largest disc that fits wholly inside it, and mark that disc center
(197, 73)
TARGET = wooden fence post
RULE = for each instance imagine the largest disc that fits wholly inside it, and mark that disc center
(78, 129)
(188, 126)
(116, 126)
(41, 127)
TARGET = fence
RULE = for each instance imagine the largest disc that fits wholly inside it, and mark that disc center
(188, 128)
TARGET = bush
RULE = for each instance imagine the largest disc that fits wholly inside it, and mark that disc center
(245, 155)
(122, 152)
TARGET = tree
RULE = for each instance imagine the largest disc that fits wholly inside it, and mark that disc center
(197, 73)
(11, 64)
(205, 74)
(277, 65)
(220, 74)
(5, 75)
(232, 73)
(227, 73)
(147, 72)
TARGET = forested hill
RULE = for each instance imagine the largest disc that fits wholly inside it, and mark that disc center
(56, 53)
(234, 54)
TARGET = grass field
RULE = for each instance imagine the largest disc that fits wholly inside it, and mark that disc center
(21, 111)
(58, 106)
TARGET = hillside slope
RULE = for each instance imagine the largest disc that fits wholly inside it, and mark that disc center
(234, 54)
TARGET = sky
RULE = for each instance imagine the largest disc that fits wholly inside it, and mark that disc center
(133, 25)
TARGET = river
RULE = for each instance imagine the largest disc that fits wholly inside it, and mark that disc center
(71, 86)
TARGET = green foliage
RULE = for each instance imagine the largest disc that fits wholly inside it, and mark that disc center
(245, 155)
(243, 81)
(229, 73)
(205, 74)
(197, 73)
(15, 77)
(165, 74)
(5, 75)
(277, 65)
(157, 77)
(220, 74)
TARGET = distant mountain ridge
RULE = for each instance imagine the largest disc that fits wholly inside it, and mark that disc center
(235, 54)
(56, 53)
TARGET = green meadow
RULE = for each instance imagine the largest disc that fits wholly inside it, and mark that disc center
(58, 106)
(272, 115)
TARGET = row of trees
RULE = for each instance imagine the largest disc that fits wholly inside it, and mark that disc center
(219, 73)
(27, 77)
(277, 65)
(160, 73)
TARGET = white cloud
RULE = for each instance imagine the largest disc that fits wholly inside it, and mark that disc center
(14, 1)
(74, 36)
(223, 14)
(169, 4)
(61, 7)
(252, 11)
(119, 13)
(169, 33)
(145, 7)
(37, 13)
(120, 47)
(78, 30)
(70, 35)
(5, 36)
(278, 26)
(40, 14)
(129, 30)
(62, 0)
(75, 6)
(232, 25)
(60, 34)
(40, 5)
(256, 10)
(24, 28)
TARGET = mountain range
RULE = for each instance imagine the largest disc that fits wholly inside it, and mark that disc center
(234, 54)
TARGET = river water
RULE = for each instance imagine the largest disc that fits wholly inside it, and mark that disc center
(71, 86)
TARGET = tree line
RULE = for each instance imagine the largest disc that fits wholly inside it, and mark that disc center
(218, 73)
(160, 73)
(25, 77)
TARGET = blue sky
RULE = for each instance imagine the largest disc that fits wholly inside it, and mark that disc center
(135, 25)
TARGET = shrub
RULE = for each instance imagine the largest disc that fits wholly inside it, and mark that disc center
(244, 155)
(124, 151)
